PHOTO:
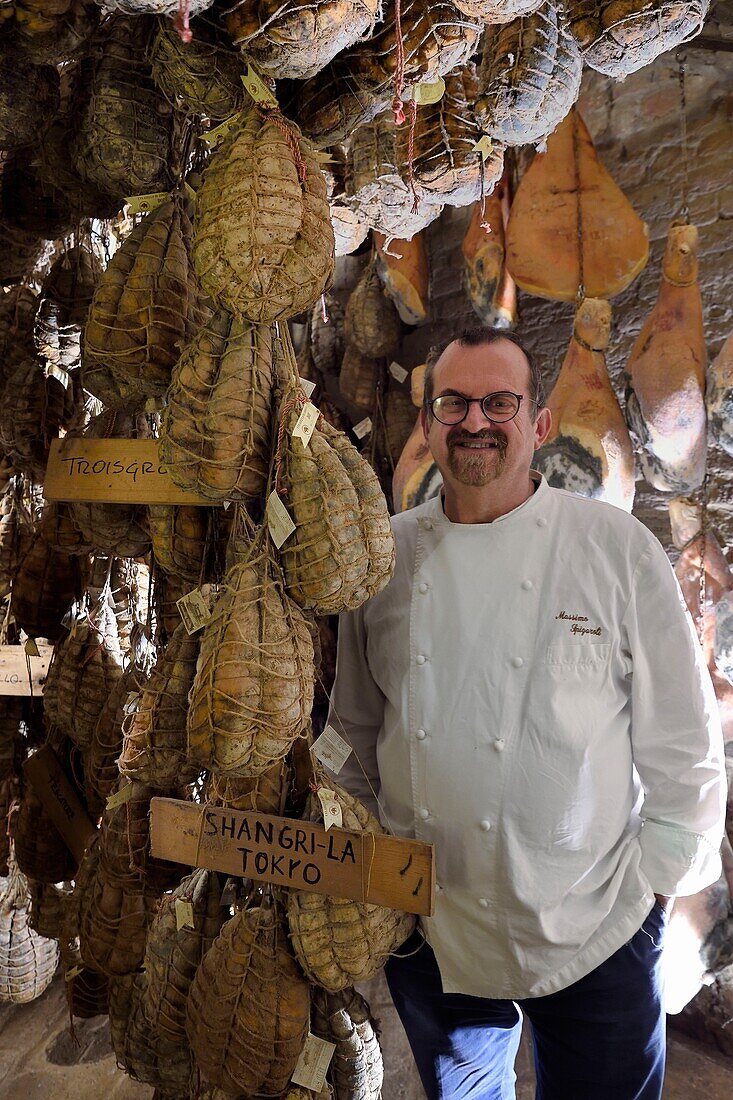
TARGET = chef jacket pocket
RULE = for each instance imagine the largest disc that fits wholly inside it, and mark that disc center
(590, 655)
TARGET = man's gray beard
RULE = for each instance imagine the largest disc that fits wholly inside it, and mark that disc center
(474, 470)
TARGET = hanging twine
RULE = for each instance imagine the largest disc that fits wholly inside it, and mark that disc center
(411, 157)
(576, 158)
(273, 114)
(182, 21)
(324, 311)
(294, 402)
(685, 209)
(398, 106)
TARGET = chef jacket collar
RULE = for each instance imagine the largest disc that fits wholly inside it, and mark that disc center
(536, 505)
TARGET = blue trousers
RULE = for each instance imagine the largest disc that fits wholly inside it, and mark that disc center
(601, 1038)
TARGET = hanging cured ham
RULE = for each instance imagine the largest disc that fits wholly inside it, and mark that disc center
(542, 236)
(403, 269)
(489, 286)
(719, 397)
(714, 630)
(665, 407)
(416, 477)
(588, 451)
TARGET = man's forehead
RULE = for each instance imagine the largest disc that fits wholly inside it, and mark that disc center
(501, 358)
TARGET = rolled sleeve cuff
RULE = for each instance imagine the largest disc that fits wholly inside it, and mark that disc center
(677, 861)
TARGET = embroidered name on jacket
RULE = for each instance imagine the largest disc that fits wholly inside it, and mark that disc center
(577, 621)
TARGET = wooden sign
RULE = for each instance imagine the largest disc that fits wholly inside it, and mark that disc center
(383, 870)
(60, 800)
(14, 666)
(119, 471)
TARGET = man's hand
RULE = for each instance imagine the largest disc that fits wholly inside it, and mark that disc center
(666, 901)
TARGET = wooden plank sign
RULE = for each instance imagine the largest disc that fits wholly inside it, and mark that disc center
(63, 805)
(14, 665)
(300, 855)
(120, 471)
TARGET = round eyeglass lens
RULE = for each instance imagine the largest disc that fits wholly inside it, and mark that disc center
(450, 409)
(500, 406)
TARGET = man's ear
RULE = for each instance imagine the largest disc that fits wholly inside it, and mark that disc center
(424, 422)
(542, 427)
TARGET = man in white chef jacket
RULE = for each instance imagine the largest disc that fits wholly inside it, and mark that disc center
(528, 695)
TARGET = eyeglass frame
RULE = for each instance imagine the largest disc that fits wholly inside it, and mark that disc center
(478, 400)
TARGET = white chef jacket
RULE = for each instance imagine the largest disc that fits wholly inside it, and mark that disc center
(529, 696)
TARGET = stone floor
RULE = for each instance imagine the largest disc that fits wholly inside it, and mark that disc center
(39, 1060)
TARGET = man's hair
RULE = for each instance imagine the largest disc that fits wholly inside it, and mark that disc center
(474, 338)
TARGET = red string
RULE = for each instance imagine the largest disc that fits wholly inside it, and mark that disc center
(293, 403)
(399, 76)
(411, 157)
(290, 136)
(181, 23)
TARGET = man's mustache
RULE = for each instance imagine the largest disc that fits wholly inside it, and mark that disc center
(455, 438)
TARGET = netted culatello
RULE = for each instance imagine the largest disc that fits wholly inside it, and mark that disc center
(338, 941)
(330, 106)
(146, 306)
(46, 584)
(16, 531)
(34, 408)
(497, 11)
(445, 165)
(204, 73)
(248, 1006)
(123, 140)
(298, 38)
(263, 245)
(371, 322)
(529, 78)
(376, 190)
(29, 98)
(253, 690)
(101, 773)
(359, 378)
(263, 794)
(65, 300)
(188, 542)
(217, 423)
(27, 961)
(341, 551)
(154, 726)
(357, 1068)
(139, 1050)
(124, 843)
(173, 954)
(617, 37)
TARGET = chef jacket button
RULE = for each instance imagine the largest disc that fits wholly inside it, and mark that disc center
(516, 661)
(427, 525)
(423, 587)
(542, 522)
(499, 744)
(424, 814)
(527, 585)
(421, 735)
(484, 903)
(485, 825)
(421, 659)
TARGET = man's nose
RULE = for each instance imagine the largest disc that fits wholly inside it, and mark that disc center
(475, 420)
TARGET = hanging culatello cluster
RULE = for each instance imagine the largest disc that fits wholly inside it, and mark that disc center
(617, 37)
(16, 531)
(263, 245)
(34, 409)
(204, 73)
(298, 38)
(371, 322)
(188, 541)
(123, 141)
(441, 153)
(253, 691)
(154, 726)
(29, 98)
(147, 304)
(39, 848)
(27, 961)
(47, 583)
(101, 772)
(217, 424)
(330, 106)
(140, 1052)
(357, 1069)
(50, 31)
(18, 307)
(248, 1007)
(262, 794)
(338, 941)
(529, 78)
(342, 550)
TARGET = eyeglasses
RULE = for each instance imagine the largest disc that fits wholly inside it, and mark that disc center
(452, 408)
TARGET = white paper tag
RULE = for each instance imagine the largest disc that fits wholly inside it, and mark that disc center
(131, 702)
(398, 372)
(331, 808)
(429, 92)
(484, 146)
(119, 798)
(257, 88)
(363, 427)
(53, 370)
(193, 610)
(184, 914)
(144, 204)
(215, 137)
(227, 504)
(331, 749)
(306, 423)
(312, 1066)
(307, 386)
(279, 520)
